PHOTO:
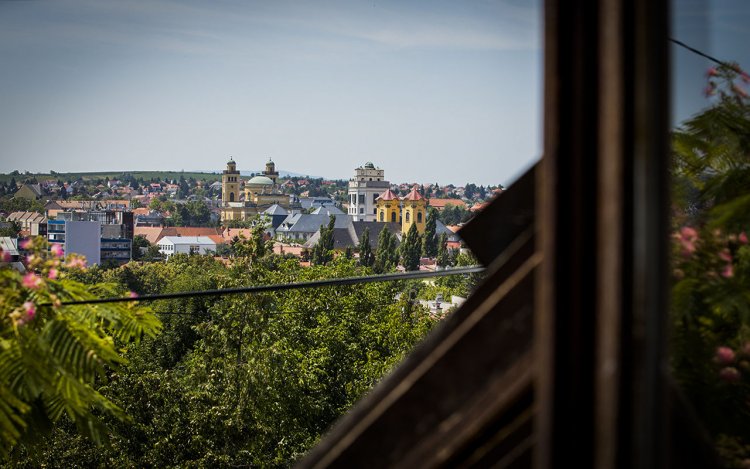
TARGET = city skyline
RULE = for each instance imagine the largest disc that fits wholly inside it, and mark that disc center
(440, 91)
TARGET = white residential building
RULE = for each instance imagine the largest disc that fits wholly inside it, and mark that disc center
(364, 188)
(170, 245)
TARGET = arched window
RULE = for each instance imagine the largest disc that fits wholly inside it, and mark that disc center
(407, 216)
(382, 216)
(419, 217)
(393, 217)
(231, 196)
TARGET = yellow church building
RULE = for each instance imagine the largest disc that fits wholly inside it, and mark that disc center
(408, 210)
(259, 193)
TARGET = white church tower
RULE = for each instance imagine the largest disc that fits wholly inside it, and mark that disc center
(364, 188)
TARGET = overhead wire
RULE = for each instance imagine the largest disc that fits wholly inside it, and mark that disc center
(281, 286)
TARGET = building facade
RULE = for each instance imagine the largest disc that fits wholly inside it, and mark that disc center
(77, 237)
(409, 210)
(364, 189)
(170, 245)
(260, 192)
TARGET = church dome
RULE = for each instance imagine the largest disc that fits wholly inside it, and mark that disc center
(369, 165)
(261, 181)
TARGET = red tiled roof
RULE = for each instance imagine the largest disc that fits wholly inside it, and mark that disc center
(441, 203)
(413, 195)
(388, 195)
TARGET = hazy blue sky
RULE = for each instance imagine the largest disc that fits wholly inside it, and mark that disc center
(720, 28)
(445, 91)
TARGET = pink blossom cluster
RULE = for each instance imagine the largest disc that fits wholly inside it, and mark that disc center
(688, 238)
(729, 360)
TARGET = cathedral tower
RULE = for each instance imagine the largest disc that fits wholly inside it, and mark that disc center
(414, 211)
(271, 172)
(230, 183)
(389, 207)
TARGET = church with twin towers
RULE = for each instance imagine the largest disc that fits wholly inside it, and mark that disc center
(370, 198)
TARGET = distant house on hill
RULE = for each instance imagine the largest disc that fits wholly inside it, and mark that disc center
(440, 204)
(170, 245)
(31, 223)
(155, 234)
(29, 192)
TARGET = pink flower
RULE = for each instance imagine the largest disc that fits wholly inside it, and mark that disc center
(724, 355)
(738, 89)
(742, 238)
(5, 256)
(76, 263)
(52, 274)
(25, 244)
(729, 374)
(56, 250)
(728, 271)
(30, 309)
(31, 281)
(712, 72)
(745, 77)
(708, 91)
(133, 294)
(688, 237)
(725, 255)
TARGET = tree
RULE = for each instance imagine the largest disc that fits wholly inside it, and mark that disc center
(54, 357)
(386, 254)
(444, 258)
(411, 249)
(711, 262)
(12, 229)
(139, 241)
(366, 257)
(235, 380)
(323, 251)
(430, 239)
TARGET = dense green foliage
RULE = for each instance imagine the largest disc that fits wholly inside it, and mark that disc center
(386, 254)
(411, 249)
(242, 380)
(54, 358)
(711, 299)
(453, 214)
(366, 257)
(322, 252)
(430, 237)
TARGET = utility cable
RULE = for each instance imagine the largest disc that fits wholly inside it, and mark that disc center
(284, 286)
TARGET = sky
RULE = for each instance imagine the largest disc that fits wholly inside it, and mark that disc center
(430, 91)
(720, 28)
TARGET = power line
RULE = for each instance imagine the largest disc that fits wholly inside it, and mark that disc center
(732, 66)
(283, 286)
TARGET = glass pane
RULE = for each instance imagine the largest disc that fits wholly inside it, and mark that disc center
(711, 217)
(231, 132)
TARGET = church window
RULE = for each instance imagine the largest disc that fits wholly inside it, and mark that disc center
(382, 216)
(419, 217)
(393, 217)
(407, 217)
(374, 198)
(361, 210)
(361, 198)
(231, 196)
